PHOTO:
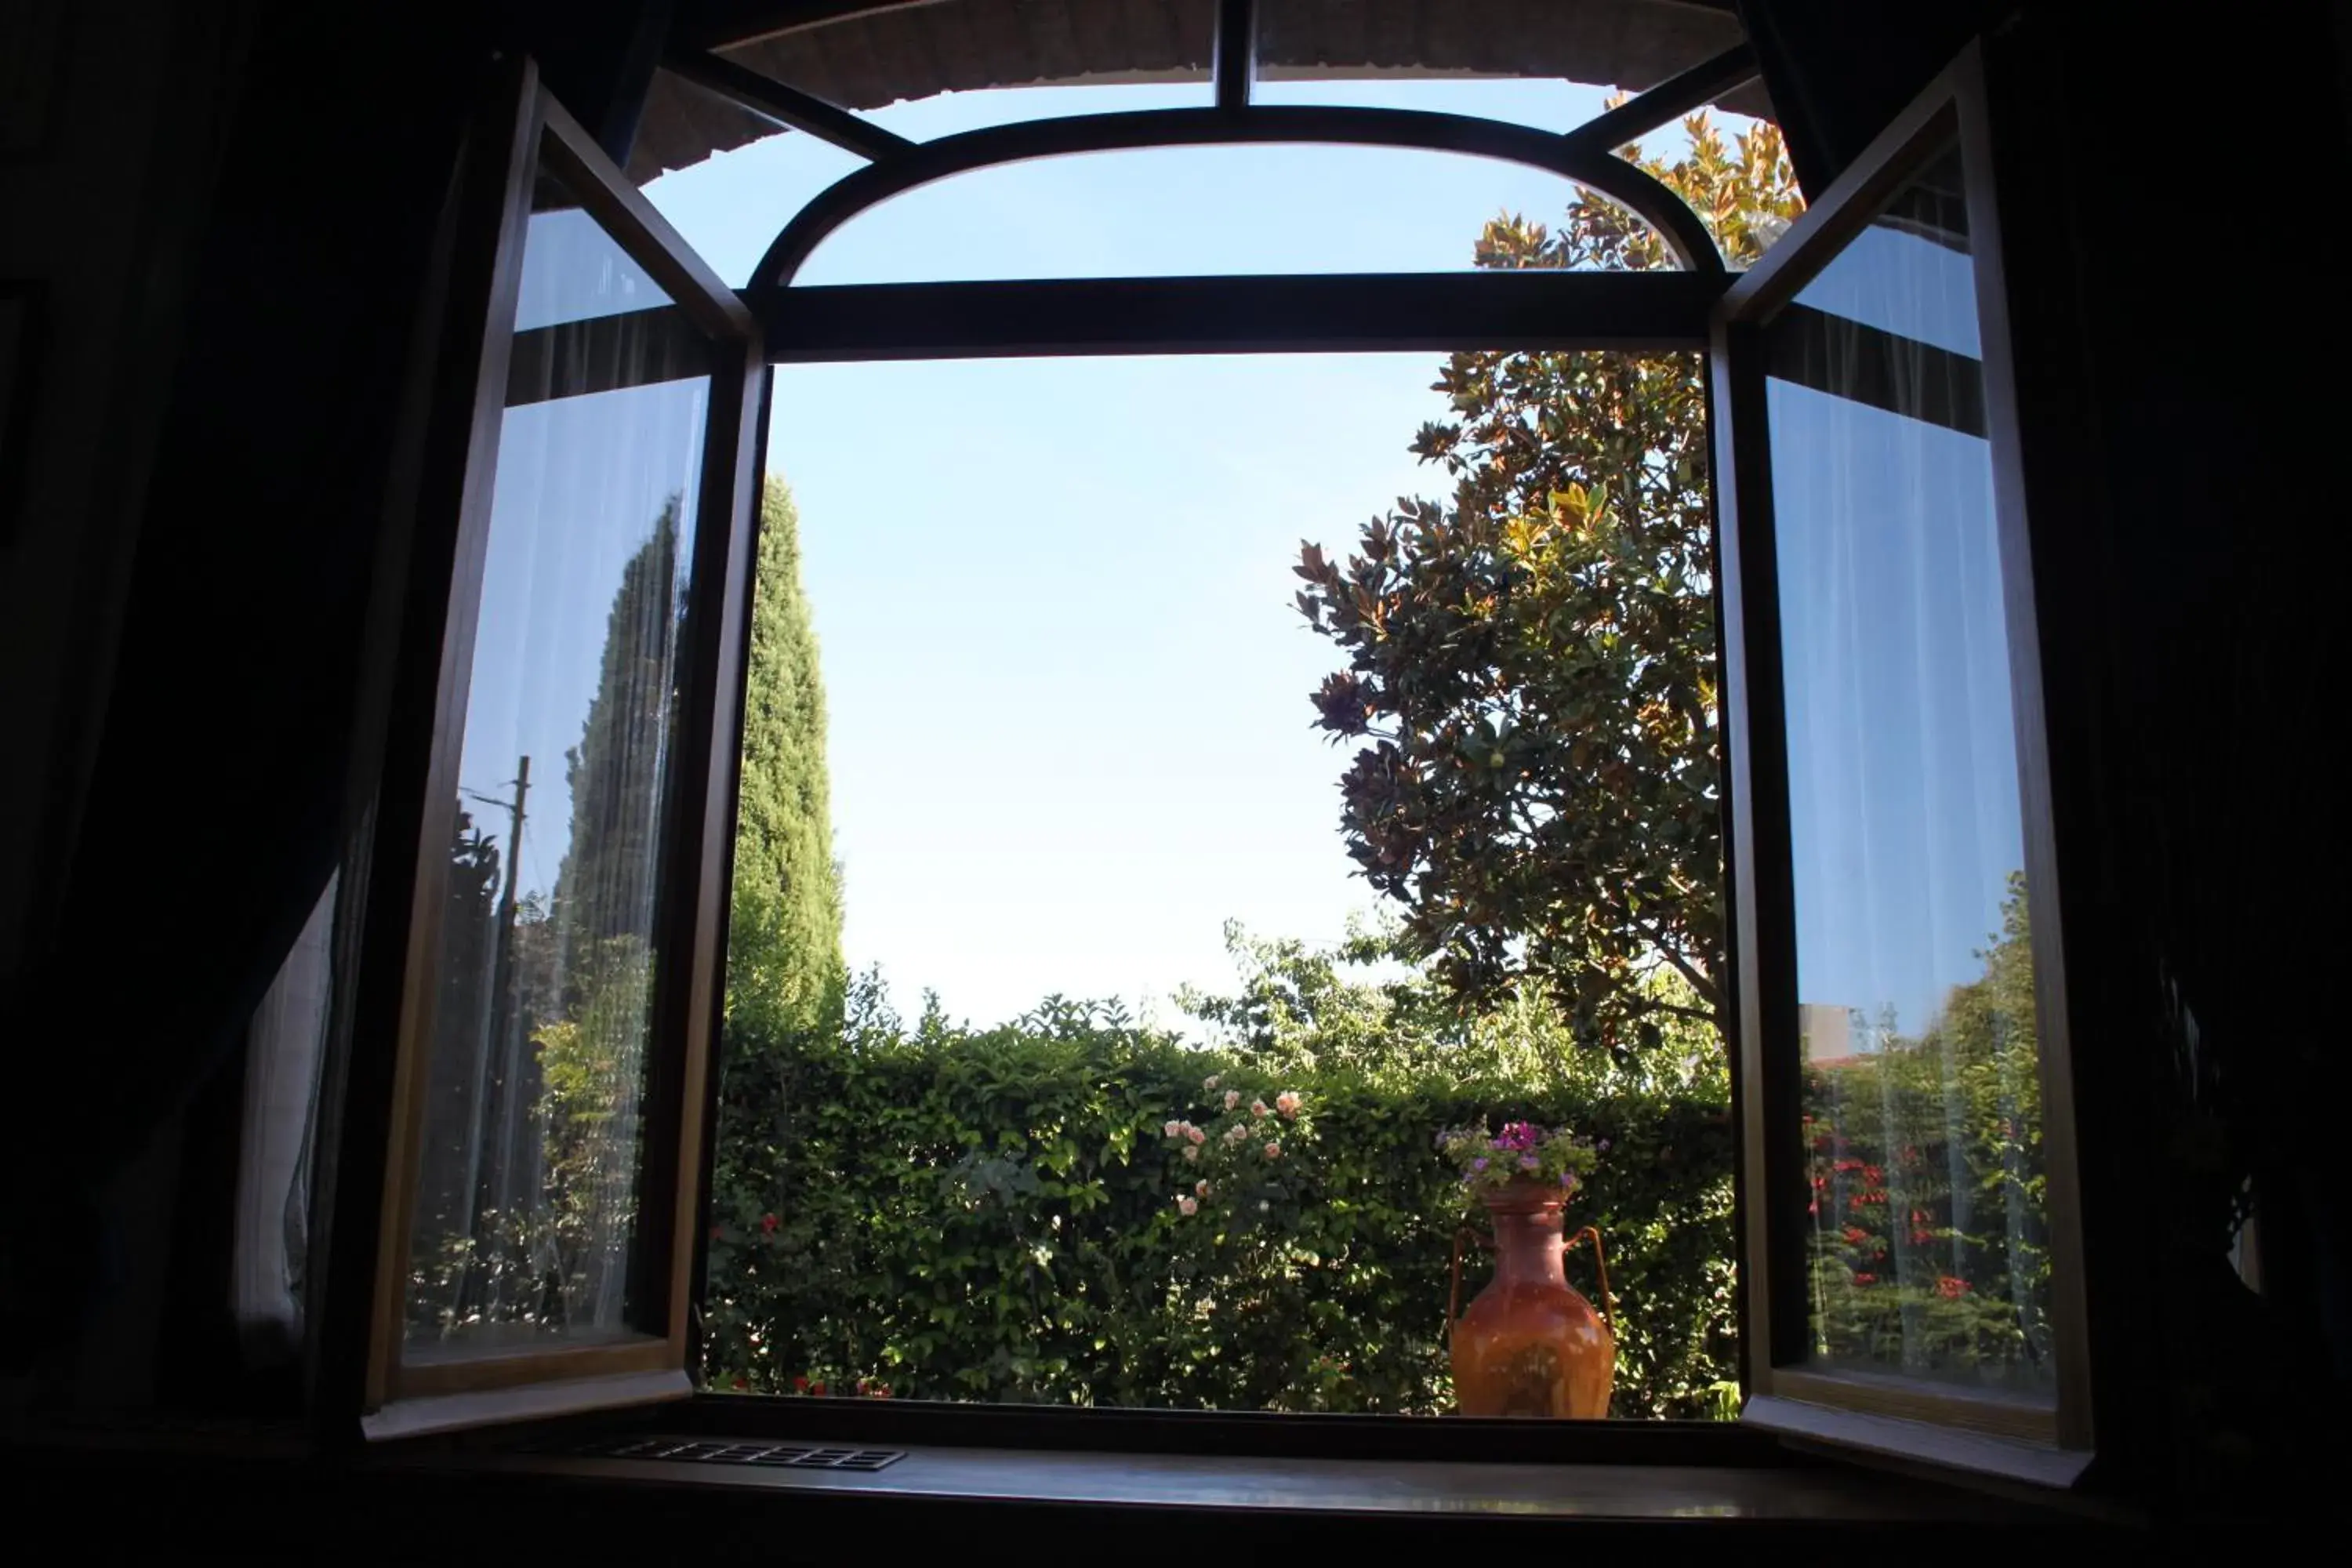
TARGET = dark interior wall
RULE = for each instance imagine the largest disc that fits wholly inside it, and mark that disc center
(1838, 71)
(2178, 351)
(186, 598)
(237, 219)
(111, 140)
(217, 790)
(118, 117)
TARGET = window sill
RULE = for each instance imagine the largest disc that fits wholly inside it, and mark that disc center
(420, 1495)
(1620, 1493)
(1892, 1438)
(1379, 1471)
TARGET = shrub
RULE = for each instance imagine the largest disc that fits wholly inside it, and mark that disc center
(993, 1215)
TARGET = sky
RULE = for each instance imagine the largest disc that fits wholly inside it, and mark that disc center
(1069, 729)
(1905, 820)
(1069, 733)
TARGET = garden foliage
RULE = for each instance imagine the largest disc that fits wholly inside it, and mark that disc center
(1531, 666)
(996, 1214)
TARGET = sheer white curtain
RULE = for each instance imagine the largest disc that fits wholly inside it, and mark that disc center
(283, 1052)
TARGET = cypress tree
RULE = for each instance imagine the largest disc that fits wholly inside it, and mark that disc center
(604, 888)
(784, 965)
(786, 980)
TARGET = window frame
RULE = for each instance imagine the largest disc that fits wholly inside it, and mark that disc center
(782, 323)
(522, 131)
(1884, 1414)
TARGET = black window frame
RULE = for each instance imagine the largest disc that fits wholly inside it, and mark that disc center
(1655, 312)
(1882, 1415)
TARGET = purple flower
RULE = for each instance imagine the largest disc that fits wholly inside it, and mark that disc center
(1528, 1162)
(1479, 1163)
(1602, 1145)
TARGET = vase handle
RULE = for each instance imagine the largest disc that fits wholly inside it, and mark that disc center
(1454, 1296)
(1600, 1266)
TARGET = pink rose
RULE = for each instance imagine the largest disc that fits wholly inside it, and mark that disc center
(1202, 1188)
(1273, 1150)
(1192, 1152)
(1209, 1084)
(1233, 1098)
(1195, 1134)
(1287, 1103)
(1257, 1107)
(1188, 1206)
(1172, 1129)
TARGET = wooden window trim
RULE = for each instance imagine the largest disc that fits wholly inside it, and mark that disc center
(523, 132)
(1852, 1415)
(2048, 1443)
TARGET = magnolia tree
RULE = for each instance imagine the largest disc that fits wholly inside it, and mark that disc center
(1532, 664)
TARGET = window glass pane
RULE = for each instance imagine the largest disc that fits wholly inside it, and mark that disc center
(1191, 211)
(530, 1172)
(1929, 1249)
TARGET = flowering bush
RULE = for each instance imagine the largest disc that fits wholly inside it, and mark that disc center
(1521, 1152)
(993, 1215)
(1234, 1161)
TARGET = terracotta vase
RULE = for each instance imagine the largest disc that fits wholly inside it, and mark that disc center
(1532, 1344)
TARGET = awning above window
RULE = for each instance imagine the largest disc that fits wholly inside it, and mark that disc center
(865, 56)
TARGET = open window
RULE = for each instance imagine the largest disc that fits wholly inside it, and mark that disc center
(1912, 1278)
(563, 924)
(1908, 1258)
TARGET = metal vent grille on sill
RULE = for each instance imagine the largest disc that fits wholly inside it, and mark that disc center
(771, 1456)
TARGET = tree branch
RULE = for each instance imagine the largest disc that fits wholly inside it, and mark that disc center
(1683, 966)
(1704, 1015)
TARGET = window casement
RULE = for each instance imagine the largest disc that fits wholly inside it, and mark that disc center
(592, 528)
(596, 417)
(1911, 1235)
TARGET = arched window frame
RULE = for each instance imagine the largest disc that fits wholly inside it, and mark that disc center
(775, 319)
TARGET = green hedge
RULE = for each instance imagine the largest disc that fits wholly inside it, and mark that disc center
(991, 1216)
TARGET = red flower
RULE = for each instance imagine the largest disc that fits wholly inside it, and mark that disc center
(740, 1385)
(1922, 1237)
(1854, 1202)
(1918, 1217)
(1872, 1174)
(1849, 1164)
(1815, 1206)
(1949, 1289)
(881, 1391)
(800, 1385)
(1857, 1235)
(768, 1222)
(1865, 1278)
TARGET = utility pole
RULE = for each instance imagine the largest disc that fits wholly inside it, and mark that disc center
(497, 1018)
(503, 1009)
